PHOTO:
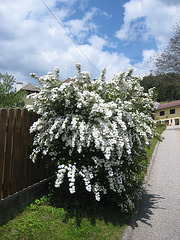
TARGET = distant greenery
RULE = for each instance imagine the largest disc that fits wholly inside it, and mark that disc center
(167, 86)
(8, 96)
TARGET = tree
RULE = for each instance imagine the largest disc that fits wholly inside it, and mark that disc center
(167, 86)
(169, 60)
(95, 132)
(8, 96)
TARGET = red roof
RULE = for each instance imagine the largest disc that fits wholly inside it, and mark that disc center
(168, 105)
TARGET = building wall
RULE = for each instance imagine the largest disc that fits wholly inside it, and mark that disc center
(27, 101)
(170, 119)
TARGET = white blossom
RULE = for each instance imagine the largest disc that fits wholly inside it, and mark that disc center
(107, 122)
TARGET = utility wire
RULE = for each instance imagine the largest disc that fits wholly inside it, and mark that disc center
(70, 37)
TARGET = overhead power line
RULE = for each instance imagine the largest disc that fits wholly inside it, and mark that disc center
(70, 36)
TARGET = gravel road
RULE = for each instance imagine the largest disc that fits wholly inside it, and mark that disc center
(158, 215)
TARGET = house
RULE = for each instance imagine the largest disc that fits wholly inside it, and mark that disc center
(168, 113)
(28, 89)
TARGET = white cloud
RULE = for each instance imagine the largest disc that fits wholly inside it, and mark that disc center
(149, 19)
(83, 4)
(147, 64)
(97, 42)
(171, 2)
(31, 40)
(80, 28)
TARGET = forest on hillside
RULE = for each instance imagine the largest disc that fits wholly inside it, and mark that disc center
(167, 86)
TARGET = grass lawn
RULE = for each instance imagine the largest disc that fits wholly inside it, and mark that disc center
(70, 218)
(154, 141)
(43, 221)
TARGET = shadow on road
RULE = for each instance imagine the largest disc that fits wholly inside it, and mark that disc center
(145, 209)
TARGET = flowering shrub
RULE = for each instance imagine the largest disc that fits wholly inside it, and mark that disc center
(95, 130)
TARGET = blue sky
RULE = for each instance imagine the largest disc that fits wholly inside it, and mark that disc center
(116, 34)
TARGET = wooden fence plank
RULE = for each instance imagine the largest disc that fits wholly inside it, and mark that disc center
(27, 160)
(32, 117)
(8, 152)
(3, 121)
(30, 171)
(16, 151)
(16, 168)
(23, 149)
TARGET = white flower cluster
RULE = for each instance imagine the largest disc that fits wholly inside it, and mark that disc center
(98, 127)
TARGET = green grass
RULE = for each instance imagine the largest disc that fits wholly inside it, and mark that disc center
(41, 220)
(149, 151)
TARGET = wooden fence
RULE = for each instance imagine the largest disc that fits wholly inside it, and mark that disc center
(17, 171)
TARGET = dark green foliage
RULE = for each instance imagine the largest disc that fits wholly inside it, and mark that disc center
(167, 86)
(8, 96)
(82, 204)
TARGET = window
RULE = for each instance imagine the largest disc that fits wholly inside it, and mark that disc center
(176, 121)
(162, 113)
(172, 111)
